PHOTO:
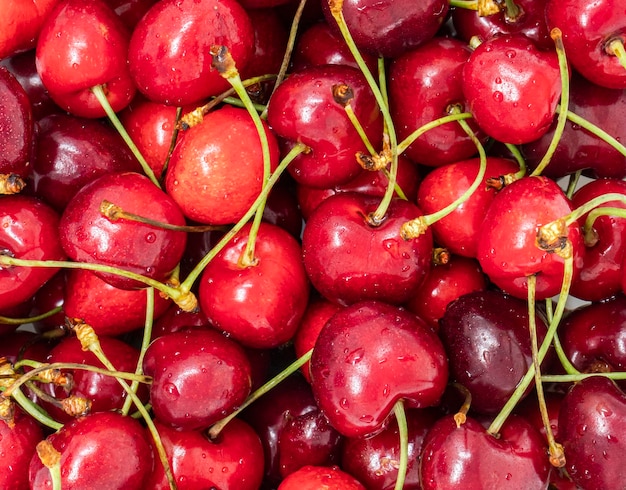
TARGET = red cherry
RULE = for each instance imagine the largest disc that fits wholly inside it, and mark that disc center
(259, 305)
(101, 450)
(130, 11)
(199, 376)
(28, 230)
(212, 176)
(349, 260)
(89, 236)
(82, 45)
(316, 477)
(21, 25)
(512, 88)
(169, 52)
(357, 361)
(17, 445)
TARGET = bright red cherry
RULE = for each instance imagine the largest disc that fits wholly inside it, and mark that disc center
(21, 25)
(17, 445)
(316, 477)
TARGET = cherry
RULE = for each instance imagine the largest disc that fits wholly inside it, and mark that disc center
(130, 11)
(71, 152)
(316, 477)
(175, 319)
(374, 460)
(349, 260)
(467, 456)
(212, 176)
(389, 28)
(28, 230)
(101, 450)
(302, 109)
(424, 84)
(80, 46)
(47, 298)
(588, 30)
(512, 88)
(485, 334)
(260, 305)
(356, 361)
(16, 126)
(88, 235)
(507, 249)
(21, 26)
(199, 376)
(17, 445)
(169, 56)
(233, 460)
(458, 231)
(591, 425)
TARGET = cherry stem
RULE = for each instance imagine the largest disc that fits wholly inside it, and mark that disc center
(404, 144)
(225, 65)
(403, 432)
(588, 230)
(575, 378)
(557, 457)
(557, 37)
(343, 95)
(465, 4)
(595, 130)
(615, 47)
(184, 298)
(563, 359)
(166, 163)
(51, 459)
(98, 91)
(216, 428)
(390, 134)
(519, 158)
(509, 406)
(21, 321)
(573, 183)
(461, 416)
(188, 283)
(587, 207)
(418, 226)
(512, 11)
(34, 410)
(145, 342)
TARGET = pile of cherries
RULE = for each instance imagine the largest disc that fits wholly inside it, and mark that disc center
(279, 244)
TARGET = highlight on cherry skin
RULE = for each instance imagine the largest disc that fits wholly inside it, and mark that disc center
(338, 244)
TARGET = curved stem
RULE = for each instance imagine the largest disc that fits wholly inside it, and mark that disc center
(21, 321)
(563, 359)
(595, 130)
(404, 144)
(403, 432)
(616, 48)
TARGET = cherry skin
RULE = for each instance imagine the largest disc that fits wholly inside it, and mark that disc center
(512, 88)
(316, 477)
(591, 425)
(17, 445)
(29, 229)
(349, 260)
(130, 11)
(507, 249)
(90, 50)
(424, 84)
(233, 460)
(199, 377)
(390, 28)
(16, 126)
(22, 24)
(212, 176)
(356, 363)
(169, 52)
(101, 450)
(588, 28)
(89, 236)
(469, 457)
(302, 109)
(71, 152)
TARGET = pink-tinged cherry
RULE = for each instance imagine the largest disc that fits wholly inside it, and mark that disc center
(101, 450)
(591, 429)
(367, 357)
(29, 229)
(82, 45)
(508, 251)
(199, 376)
(458, 232)
(316, 477)
(468, 457)
(22, 24)
(589, 29)
(348, 259)
(388, 28)
(212, 175)
(424, 84)
(169, 52)
(233, 460)
(16, 126)
(17, 446)
(259, 305)
(512, 88)
(302, 109)
(88, 235)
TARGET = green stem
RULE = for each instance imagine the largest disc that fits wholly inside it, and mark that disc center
(464, 4)
(595, 213)
(403, 432)
(573, 183)
(616, 48)
(575, 378)
(404, 144)
(595, 130)
(34, 410)
(21, 321)
(563, 359)
(590, 205)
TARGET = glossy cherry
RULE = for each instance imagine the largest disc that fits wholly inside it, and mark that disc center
(316, 477)
(22, 24)
(17, 445)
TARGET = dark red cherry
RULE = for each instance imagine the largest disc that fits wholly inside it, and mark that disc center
(356, 361)
(89, 236)
(101, 450)
(17, 446)
(316, 477)
(349, 260)
(199, 376)
(51, 295)
(591, 429)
